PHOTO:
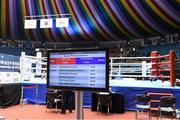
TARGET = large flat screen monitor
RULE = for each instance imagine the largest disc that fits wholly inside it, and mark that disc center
(85, 69)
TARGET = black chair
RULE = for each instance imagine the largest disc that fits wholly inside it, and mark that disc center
(52, 100)
(142, 104)
(104, 99)
(167, 105)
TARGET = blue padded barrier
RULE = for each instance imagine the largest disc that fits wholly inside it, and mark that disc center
(129, 94)
(30, 94)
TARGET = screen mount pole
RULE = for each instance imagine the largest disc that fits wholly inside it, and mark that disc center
(79, 105)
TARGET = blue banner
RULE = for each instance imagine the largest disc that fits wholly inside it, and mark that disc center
(9, 63)
(90, 60)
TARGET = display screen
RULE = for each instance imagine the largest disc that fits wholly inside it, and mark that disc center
(78, 69)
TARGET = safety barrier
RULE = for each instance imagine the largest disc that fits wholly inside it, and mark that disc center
(22, 95)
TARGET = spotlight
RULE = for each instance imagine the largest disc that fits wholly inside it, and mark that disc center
(134, 49)
(121, 49)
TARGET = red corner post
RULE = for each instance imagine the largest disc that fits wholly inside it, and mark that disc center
(172, 70)
(154, 62)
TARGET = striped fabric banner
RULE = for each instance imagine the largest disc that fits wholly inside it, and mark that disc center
(91, 20)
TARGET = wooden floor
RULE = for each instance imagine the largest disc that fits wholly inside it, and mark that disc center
(32, 112)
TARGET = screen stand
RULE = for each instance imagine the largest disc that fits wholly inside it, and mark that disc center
(79, 105)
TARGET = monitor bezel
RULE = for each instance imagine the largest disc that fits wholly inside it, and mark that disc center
(106, 89)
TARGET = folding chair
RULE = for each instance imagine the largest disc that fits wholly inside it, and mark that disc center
(142, 104)
(167, 105)
(104, 99)
(52, 99)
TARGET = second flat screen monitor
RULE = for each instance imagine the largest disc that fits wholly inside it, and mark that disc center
(85, 70)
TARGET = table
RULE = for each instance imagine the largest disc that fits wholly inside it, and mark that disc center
(117, 102)
(10, 94)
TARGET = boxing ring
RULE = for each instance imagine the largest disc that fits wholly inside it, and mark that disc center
(134, 71)
(129, 76)
(141, 75)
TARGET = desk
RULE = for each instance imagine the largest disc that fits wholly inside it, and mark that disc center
(117, 102)
(10, 94)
